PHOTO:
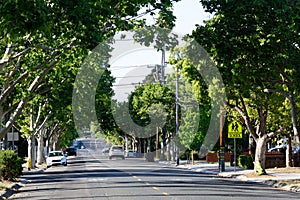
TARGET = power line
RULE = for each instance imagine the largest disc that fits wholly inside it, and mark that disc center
(128, 84)
(137, 76)
(132, 66)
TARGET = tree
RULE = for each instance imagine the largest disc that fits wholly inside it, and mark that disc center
(103, 97)
(36, 36)
(193, 117)
(152, 106)
(255, 44)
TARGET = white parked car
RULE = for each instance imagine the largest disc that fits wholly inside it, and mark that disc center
(116, 151)
(56, 158)
(130, 154)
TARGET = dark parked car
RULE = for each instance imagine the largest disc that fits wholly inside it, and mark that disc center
(71, 151)
(78, 144)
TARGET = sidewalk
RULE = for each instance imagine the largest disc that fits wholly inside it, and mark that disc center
(273, 178)
(4, 194)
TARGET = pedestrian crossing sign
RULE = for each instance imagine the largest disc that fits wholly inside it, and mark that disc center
(235, 130)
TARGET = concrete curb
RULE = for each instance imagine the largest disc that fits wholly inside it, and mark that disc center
(283, 186)
(273, 183)
(10, 191)
(37, 171)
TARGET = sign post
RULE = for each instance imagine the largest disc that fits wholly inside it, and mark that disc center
(235, 130)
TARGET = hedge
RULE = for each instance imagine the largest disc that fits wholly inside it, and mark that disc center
(10, 165)
(246, 161)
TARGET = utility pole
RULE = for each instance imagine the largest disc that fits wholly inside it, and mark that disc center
(177, 120)
(156, 148)
(222, 146)
(163, 62)
(162, 81)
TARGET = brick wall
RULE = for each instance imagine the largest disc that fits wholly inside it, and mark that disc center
(213, 157)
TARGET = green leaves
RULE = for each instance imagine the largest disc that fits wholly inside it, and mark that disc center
(19, 18)
(144, 98)
(49, 40)
(255, 44)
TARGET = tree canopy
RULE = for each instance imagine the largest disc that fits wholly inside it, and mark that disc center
(255, 45)
(39, 38)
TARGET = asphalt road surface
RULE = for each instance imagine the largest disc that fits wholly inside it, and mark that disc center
(91, 175)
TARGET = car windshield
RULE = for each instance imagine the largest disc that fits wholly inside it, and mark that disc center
(51, 154)
(118, 148)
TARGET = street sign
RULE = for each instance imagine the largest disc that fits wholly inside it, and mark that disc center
(235, 130)
(12, 136)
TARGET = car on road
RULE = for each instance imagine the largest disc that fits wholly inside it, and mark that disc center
(56, 158)
(78, 144)
(71, 151)
(296, 150)
(130, 153)
(281, 148)
(116, 151)
(105, 150)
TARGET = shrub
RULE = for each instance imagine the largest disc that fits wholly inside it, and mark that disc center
(246, 161)
(10, 165)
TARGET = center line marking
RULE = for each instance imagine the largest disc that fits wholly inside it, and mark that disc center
(155, 188)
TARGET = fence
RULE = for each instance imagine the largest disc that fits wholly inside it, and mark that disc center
(272, 159)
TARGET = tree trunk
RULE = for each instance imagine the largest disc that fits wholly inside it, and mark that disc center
(28, 138)
(192, 156)
(259, 163)
(40, 150)
(288, 152)
(174, 151)
(163, 149)
(47, 147)
(294, 117)
(168, 151)
(31, 150)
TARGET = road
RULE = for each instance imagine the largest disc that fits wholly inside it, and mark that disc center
(92, 176)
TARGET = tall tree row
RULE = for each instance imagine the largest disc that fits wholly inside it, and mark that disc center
(255, 45)
(43, 44)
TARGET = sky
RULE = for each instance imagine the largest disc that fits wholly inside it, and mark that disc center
(132, 66)
(188, 13)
